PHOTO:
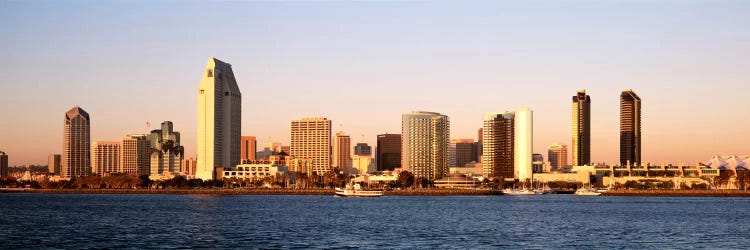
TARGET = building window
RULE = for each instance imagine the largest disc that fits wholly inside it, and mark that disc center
(201, 91)
(210, 73)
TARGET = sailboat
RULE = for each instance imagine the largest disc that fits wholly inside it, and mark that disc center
(583, 191)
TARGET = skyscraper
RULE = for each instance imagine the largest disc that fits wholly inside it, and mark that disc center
(342, 144)
(362, 149)
(76, 158)
(497, 145)
(54, 163)
(558, 156)
(426, 136)
(507, 144)
(248, 148)
(311, 139)
(105, 158)
(388, 152)
(465, 150)
(630, 128)
(478, 146)
(581, 129)
(135, 155)
(166, 153)
(219, 119)
(3, 164)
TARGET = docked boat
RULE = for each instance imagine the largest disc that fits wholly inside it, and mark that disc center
(587, 192)
(509, 191)
(356, 191)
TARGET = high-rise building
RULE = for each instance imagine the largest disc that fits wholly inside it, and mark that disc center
(426, 136)
(362, 149)
(388, 152)
(478, 146)
(507, 145)
(497, 145)
(76, 157)
(3, 164)
(135, 155)
(54, 163)
(537, 163)
(188, 166)
(342, 152)
(311, 139)
(362, 164)
(581, 128)
(630, 128)
(524, 143)
(219, 119)
(558, 156)
(464, 151)
(248, 148)
(166, 153)
(105, 158)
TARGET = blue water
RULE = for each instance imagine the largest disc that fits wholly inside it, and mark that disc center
(214, 221)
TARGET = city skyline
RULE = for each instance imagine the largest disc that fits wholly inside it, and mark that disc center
(472, 71)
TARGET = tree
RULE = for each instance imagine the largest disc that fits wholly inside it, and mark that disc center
(406, 179)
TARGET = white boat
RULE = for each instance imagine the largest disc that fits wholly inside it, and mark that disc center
(509, 191)
(356, 191)
(587, 192)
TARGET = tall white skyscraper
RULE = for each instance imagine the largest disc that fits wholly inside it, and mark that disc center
(524, 143)
(219, 119)
(424, 146)
(311, 140)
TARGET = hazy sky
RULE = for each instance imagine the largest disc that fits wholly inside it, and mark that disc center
(363, 64)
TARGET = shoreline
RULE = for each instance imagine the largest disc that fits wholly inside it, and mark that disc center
(258, 191)
(679, 193)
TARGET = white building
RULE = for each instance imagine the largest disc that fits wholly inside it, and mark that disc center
(424, 144)
(256, 171)
(524, 143)
(219, 119)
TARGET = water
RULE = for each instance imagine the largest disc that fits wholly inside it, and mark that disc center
(213, 221)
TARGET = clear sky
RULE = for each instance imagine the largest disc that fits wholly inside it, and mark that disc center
(363, 64)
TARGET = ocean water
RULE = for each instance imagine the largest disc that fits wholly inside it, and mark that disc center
(71, 221)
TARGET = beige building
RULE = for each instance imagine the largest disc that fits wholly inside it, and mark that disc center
(311, 139)
(219, 119)
(76, 157)
(557, 154)
(256, 171)
(342, 145)
(581, 128)
(188, 167)
(54, 164)
(425, 142)
(105, 158)
(167, 153)
(363, 164)
(135, 155)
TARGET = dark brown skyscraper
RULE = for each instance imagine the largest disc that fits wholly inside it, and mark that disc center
(478, 147)
(498, 145)
(581, 129)
(630, 128)
(389, 152)
(465, 151)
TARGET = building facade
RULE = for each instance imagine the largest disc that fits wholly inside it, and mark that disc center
(4, 164)
(248, 148)
(537, 165)
(76, 157)
(363, 164)
(105, 158)
(425, 142)
(507, 145)
(135, 155)
(497, 145)
(166, 152)
(311, 139)
(189, 166)
(362, 149)
(630, 128)
(342, 144)
(219, 119)
(558, 156)
(464, 151)
(388, 152)
(581, 128)
(54, 164)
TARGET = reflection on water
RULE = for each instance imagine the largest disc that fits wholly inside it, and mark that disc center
(225, 221)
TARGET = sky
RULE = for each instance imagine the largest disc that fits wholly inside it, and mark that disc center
(362, 64)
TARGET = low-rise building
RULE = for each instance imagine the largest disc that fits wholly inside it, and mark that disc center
(256, 170)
